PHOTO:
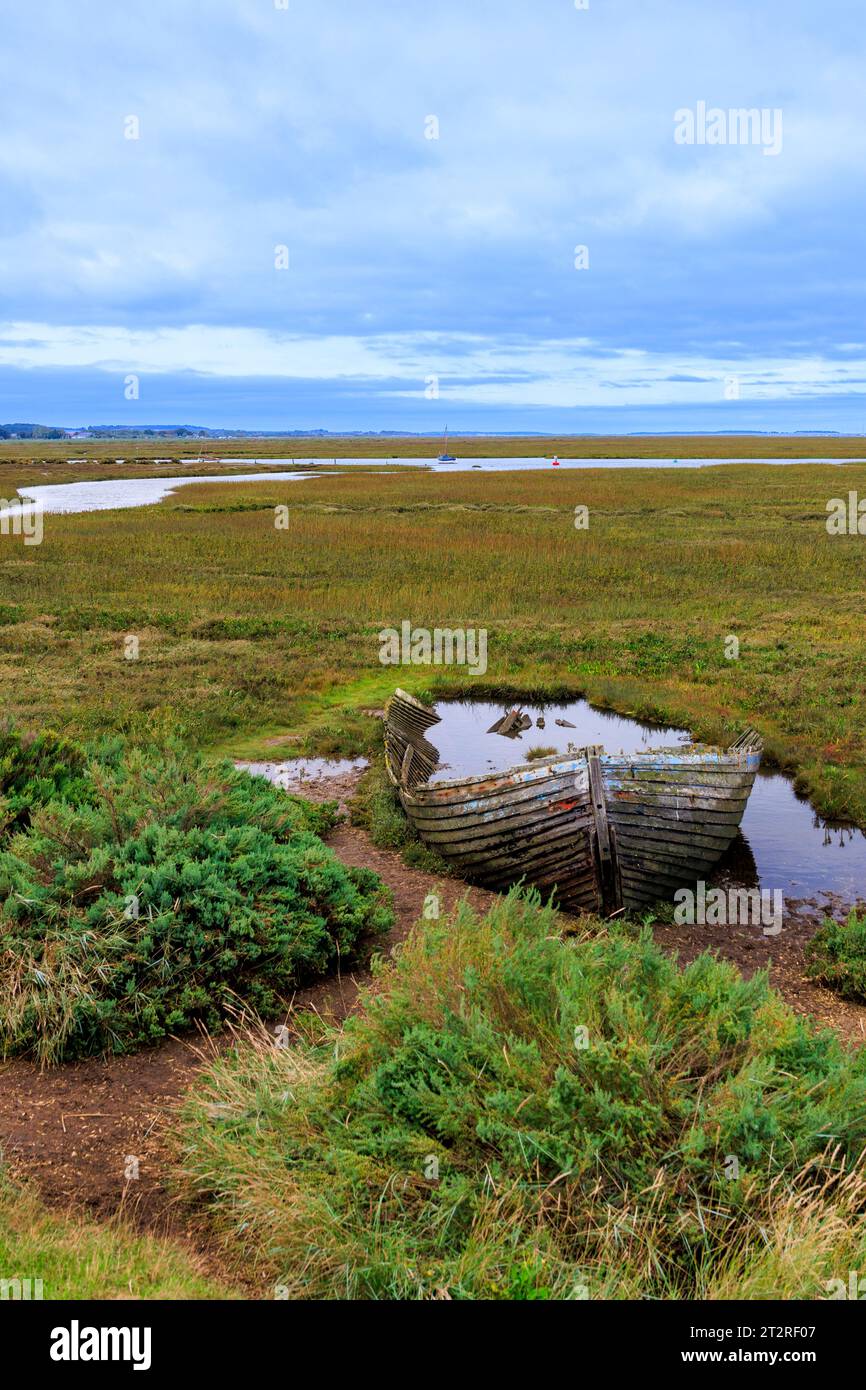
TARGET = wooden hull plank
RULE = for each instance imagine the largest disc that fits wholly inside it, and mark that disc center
(598, 830)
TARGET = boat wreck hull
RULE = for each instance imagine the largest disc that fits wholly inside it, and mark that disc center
(599, 832)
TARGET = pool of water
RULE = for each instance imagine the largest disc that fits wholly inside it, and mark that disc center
(300, 772)
(782, 843)
(118, 493)
(508, 465)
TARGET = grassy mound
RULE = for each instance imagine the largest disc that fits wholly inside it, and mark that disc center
(141, 892)
(837, 956)
(515, 1116)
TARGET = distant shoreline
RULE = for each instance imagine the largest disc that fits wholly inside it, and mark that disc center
(317, 446)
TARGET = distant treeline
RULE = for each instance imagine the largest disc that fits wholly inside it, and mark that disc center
(32, 432)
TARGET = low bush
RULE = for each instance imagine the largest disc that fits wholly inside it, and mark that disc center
(37, 770)
(836, 956)
(162, 894)
(515, 1116)
(376, 808)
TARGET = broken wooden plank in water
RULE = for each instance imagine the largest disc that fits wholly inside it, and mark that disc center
(512, 724)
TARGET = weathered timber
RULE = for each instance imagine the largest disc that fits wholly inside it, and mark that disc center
(594, 831)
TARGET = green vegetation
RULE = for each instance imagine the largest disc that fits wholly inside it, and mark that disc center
(541, 751)
(376, 808)
(247, 632)
(142, 893)
(80, 1259)
(837, 957)
(38, 770)
(144, 890)
(518, 1117)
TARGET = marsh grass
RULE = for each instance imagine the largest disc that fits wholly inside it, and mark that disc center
(246, 631)
(542, 751)
(376, 808)
(454, 1141)
(81, 1259)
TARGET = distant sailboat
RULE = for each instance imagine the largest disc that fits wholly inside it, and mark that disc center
(445, 457)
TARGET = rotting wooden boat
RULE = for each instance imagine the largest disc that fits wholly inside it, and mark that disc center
(600, 831)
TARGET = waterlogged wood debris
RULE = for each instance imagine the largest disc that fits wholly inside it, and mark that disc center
(512, 724)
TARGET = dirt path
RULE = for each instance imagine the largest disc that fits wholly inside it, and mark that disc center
(92, 1134)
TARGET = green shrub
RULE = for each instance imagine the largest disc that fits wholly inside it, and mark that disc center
(464, 1143)
(171, 895)
(836, 956)
(35, 770)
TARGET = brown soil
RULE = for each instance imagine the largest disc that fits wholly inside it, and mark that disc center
(72, 1129)
(783, 955)
(91, 1136)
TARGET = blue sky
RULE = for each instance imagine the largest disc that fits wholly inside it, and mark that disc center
(724, 287)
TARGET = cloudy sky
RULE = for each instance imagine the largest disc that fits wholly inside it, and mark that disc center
(719, 285)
